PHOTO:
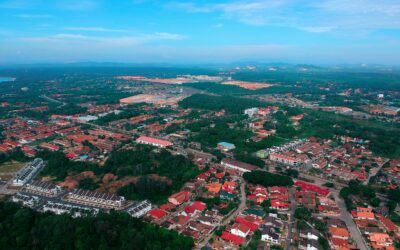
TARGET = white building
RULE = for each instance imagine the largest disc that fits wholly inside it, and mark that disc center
(140, 209)
(240, 230)
(26, 200)
(28, 172)
(251, 112)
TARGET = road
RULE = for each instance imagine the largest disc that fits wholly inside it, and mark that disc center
(351, 226)
(374, 171)
(291, 219)
(115, 130)
(62, 104)
(227, 220)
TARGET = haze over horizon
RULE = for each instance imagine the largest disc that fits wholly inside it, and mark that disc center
(141, 31)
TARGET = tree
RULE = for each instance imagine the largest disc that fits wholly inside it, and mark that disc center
(394, 195)
(267, 179)
(323, 243)
(375, 202)
(302, 213)
(23, 228)
(88, 183)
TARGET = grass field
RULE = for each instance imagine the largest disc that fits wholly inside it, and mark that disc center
(11, 166)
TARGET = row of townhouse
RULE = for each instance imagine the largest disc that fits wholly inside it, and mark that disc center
(28, 172)
(97, 199)
(64, 208)
(43, 188)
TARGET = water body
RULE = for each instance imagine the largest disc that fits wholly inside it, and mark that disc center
(6, 79)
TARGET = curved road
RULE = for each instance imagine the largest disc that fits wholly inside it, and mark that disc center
(227, 220)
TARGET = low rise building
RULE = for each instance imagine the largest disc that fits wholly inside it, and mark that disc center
(153, 141)
(26, 200)
(43, 188)
(238, 165)
(28, 172)
(64, 208)
(96, 199)
(139, 209)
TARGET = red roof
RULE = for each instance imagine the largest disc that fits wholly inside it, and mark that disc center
(339, 242)
(237, 240)
(11, 143)
(388, 224)
(279, 204)
(199, 205)
(252, 226)
(312, 188)
(157, 213)
(180, 197)
(151, 140)
(220, 175)
(167, 206)
(196, 206)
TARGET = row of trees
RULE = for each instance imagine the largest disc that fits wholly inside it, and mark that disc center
(23, 228)
(267, 179)
(230, 104)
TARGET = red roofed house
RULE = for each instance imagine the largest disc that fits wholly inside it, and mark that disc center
(257, 199)
(380, 241)
(280, 205)
(49, 146)
(312, 188)
(12, 144)
(153, 141)
(240, 229)
(179, 198)
(157, 213)
(252, 226)
(197, 206)
(237, 240)
(363, 214)
(387, 224)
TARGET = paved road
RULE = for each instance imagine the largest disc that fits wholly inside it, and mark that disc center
(374, 171)
(108, 128)
(351, 226)
(241, 206)
(291, 219)
(62, 104)
(227, 220)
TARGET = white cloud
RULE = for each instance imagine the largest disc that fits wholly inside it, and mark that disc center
(310, 16)
(120, 40)
(318, 29)
(79, 5)
(217, 26)
(96, 29)
(32, 16)
(166, 36)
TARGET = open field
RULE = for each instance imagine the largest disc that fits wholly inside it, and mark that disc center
(11, 166)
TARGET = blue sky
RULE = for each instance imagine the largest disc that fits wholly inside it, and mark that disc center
(294, 31)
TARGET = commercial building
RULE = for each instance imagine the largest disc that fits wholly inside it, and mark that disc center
(153, 141)
(237, 165)
(286, 159)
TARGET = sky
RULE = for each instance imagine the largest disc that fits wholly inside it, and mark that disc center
(199, 31)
